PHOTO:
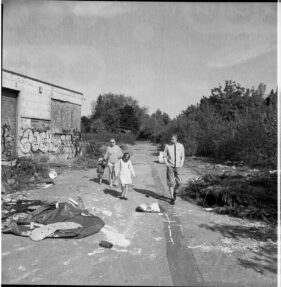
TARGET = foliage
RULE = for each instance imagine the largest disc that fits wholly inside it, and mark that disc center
(85, 124)
(154, 126)
(106, 136)
(234, 123)
(128, 119)
(244, 196)
(97, 126)
(118, 112)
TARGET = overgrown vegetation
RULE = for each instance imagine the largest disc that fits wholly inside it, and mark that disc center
(233, 123)
(23, 174)
(252, 195)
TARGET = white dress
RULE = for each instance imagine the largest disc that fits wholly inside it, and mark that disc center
(125, 171)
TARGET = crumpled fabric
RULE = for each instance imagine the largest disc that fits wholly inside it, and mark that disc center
(47, 214)
(153, 207)
(47, 230)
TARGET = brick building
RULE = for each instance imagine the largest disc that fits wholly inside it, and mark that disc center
(38, 119)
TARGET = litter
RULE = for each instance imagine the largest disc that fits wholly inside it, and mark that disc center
(105, 244)
(72, 201)
(157, 238)
(198, 246)
(115, 237)
(50, 219)
(53, 174)
(209, 209)
(44, 185)
(47, 230)
(153, 207)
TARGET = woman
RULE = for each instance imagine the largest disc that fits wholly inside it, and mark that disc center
(112, 155)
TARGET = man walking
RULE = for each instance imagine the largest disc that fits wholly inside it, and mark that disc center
(112, 155)
(174, 158)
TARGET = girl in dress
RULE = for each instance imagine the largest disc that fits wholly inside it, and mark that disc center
(125, 172)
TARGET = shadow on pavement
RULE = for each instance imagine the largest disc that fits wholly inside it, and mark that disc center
(112, 192)
(152, 194)
(104, 181)
(265, 254)
(264, 260)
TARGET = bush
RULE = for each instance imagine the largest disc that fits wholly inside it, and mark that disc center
(252, 196)
(104, 137)
(234, 123)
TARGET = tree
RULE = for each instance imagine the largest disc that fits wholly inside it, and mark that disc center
(97, 126)
(85, 124)
(128, 119)
(119, 111)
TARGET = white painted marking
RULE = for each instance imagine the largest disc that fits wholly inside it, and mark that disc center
(98, 251)
(169, 227)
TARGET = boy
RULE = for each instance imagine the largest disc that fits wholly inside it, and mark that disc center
(100, 169)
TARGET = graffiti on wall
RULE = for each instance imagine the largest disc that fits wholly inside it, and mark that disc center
(32, 141)
(7, 141)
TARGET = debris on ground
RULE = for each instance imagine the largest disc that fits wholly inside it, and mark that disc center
(24, 174)
(40, 219)
(105, 244)
(153, 207)
(52, 174)
(115, 237)
(246, 193)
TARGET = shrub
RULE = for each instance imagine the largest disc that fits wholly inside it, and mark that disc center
(105, 136)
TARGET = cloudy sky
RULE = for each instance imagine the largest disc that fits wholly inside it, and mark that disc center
(166, 55)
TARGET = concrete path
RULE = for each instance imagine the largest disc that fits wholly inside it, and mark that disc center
(184, 245)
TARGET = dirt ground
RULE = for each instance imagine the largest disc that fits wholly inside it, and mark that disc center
(184, 245)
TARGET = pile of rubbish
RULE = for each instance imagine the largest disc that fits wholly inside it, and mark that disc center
(23, 173)
(153, 207)
(40, 219)
(251, 195)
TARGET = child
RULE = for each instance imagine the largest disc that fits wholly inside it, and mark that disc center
(125, 170)
(100, 169)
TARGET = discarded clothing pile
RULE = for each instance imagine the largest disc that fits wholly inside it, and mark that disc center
(153, 207)
(39, 219)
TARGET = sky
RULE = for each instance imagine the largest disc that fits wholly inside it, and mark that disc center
(166, 55)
